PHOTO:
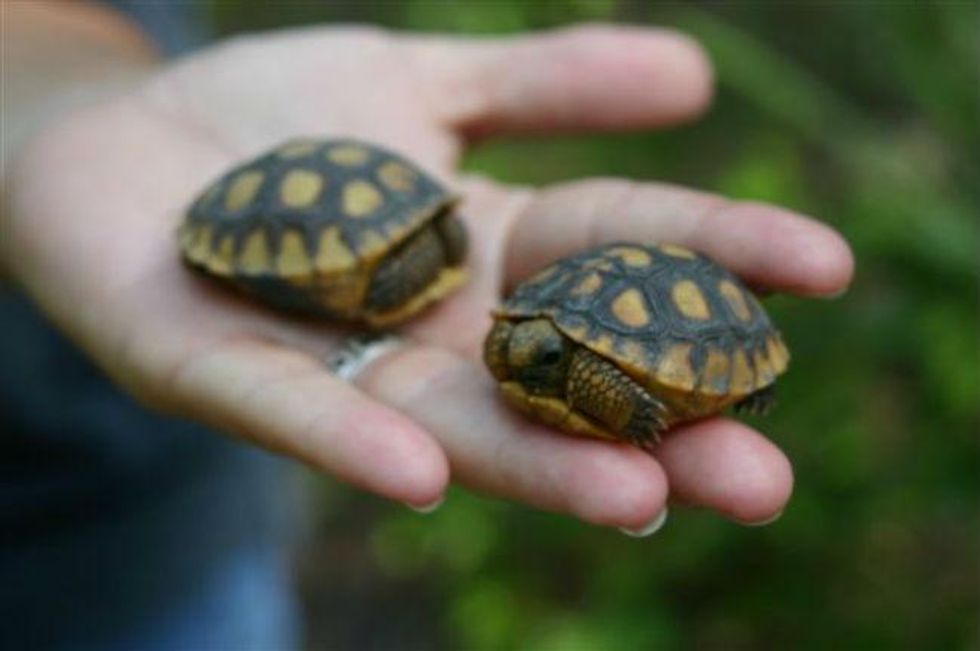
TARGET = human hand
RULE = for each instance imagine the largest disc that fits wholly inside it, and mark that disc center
(95, 200)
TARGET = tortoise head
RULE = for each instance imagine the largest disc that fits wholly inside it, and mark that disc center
(532, 353)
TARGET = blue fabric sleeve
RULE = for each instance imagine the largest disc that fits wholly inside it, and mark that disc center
(124, 529)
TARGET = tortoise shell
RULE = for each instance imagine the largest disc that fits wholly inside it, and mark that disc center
(673, 320)
(305, 225)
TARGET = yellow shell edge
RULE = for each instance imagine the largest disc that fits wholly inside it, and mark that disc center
(552, 412)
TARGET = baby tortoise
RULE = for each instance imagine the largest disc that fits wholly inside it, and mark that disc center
(623, 341)
(338, 228)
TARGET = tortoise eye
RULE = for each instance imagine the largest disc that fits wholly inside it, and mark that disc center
(551, 357)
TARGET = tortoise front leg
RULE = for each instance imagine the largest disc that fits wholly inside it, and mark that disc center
(415, 267)
(406, 271)
(598, 388)
(759, 403)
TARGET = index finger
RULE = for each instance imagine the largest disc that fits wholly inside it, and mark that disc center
(601, 77)
(766, 245)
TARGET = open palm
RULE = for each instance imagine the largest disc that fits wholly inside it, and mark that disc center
(97, 197)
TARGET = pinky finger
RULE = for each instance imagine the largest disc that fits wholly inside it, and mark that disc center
(287, 402)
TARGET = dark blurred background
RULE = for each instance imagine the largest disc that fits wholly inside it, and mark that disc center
(862, 114)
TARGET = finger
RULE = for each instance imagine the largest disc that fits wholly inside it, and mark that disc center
(494, 450)
(766, 245)
(723, 465)
(287, 402)
(586, 77)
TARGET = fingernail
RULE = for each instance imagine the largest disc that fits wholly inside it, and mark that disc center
(426, 509)
(648, 529)
(762, 523)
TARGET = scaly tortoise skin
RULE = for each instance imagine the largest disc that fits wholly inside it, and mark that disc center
(624, 341)
(338, 228)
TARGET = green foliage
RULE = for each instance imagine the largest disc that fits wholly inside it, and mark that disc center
(865, 115)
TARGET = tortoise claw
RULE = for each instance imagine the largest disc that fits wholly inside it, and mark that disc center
(759, 403)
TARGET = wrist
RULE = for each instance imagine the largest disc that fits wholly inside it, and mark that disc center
(64, 56)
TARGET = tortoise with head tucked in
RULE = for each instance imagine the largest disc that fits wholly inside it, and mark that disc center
(623, 341)
(338, 228)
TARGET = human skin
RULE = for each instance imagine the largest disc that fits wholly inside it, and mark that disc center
(93, 200)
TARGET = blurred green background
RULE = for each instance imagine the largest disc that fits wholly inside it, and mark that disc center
(863, 114)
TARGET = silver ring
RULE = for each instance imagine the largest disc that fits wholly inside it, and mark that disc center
(357, 352)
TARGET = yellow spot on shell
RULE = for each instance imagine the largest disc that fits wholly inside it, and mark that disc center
(778, 355)
(677, 251)
(332, 253)
(714, 375)
(690, 301)
(344, 292)
(629, 308)
(372, 244)
(632, 256)
(576, 332)
(588, 285)
(221, 260)
(763, 370)
(300, 188)
(293, 259)
(347, 155)
(397, 176)
(604, 346)
(200, 247)
(674, 367)
(735, 299)
(743, 380)
(599, 264)
(243, 189)
(394, 229)
(361, 198)
(254, 258)
(297, 149)
(634, 353)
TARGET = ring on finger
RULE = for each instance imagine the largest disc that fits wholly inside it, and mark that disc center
(357, 352)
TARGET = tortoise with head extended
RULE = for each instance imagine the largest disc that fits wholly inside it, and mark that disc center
(338, 228)
(623, 341)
